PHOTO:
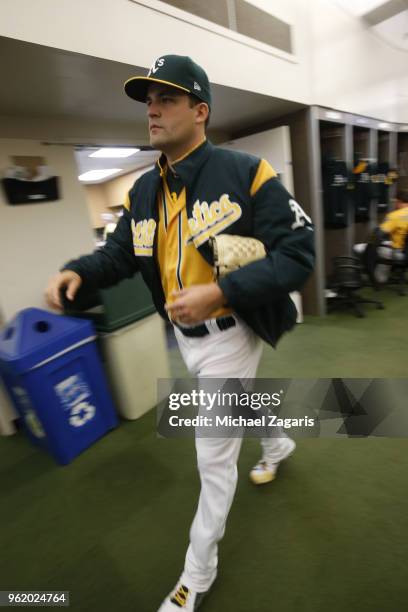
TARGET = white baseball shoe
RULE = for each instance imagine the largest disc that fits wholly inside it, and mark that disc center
(265, 470)
(182, 599)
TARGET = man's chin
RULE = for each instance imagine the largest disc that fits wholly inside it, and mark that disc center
(156, 142)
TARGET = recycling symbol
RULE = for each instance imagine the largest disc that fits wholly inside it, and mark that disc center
(81, 413)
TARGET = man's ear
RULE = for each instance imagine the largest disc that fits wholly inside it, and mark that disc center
(202, 112)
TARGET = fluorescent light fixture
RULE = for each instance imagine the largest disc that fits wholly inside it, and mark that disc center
(384, 125)
(333, 115)
(114, 152)
(361, 120)
(404, 128)
(97, 175)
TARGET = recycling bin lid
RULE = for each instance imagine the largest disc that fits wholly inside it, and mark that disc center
(36, 335)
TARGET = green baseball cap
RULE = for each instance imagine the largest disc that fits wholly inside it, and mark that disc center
(176, 70)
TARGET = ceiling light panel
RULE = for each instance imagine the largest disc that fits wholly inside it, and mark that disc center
(114, 152)
(97, 175)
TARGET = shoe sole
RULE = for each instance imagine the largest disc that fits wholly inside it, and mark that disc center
(264, 478)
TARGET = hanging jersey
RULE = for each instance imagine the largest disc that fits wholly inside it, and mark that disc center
(363, 190)
(383, 186)
(336, 199)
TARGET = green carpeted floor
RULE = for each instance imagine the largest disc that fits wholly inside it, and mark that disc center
(329, 533)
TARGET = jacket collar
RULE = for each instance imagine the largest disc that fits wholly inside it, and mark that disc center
(187, 166)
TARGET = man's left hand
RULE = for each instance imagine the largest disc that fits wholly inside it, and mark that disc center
(195, 304)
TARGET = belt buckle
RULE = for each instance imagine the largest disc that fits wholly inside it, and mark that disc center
(226, 322)
(211, 325)
(215, 325)
(191, 330)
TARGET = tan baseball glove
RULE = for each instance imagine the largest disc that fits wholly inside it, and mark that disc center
(233, 252)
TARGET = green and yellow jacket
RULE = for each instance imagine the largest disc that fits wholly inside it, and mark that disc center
(226, 192)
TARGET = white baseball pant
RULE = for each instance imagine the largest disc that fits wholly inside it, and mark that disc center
(233, 353)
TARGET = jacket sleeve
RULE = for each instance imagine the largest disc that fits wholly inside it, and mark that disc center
(288, 234)
(111, 263)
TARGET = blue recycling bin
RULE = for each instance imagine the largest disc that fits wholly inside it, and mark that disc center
(54, 376)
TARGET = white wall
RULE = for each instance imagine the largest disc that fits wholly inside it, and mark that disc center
(36, 239)
(97, 204)
(68, 130)
(102, 196)
(74, 131)
(272, 145)
(353, 69)
(127, 32)
(338, 61)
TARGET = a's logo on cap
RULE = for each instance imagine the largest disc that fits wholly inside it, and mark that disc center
(156, 65)
(197, 86)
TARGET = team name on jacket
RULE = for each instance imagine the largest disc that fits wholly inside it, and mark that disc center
(207, 220)
(211, 219)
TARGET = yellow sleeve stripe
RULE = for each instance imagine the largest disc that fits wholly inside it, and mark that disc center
(263, 174)
(127, 202)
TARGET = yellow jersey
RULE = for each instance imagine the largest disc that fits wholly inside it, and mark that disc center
(396, 224)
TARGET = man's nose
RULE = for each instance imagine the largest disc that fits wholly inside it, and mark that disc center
(153, 110)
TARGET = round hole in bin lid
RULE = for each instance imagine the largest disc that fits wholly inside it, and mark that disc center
(9, 333)
(42, 326)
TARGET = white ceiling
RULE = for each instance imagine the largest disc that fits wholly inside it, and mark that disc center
(141, 159)
(387, 19)
(47, 82)
(395, 30)
(360, 7)
(43, 82)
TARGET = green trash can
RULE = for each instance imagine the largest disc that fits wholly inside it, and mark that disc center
(113, 308)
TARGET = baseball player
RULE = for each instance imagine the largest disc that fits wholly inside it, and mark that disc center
(395, 228)
(396, 222)
(197, 190)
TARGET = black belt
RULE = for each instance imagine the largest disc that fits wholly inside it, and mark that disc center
(199, 331)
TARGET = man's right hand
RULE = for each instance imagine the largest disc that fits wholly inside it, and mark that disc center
(69, 280)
